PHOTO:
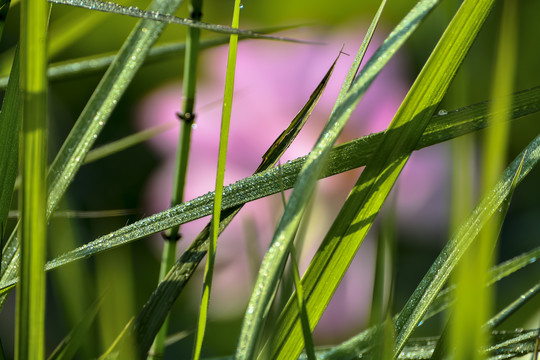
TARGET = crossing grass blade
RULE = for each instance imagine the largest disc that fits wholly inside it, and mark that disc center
(162, 16)
(342, 158)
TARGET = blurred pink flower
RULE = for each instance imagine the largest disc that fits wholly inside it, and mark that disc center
(273, 81)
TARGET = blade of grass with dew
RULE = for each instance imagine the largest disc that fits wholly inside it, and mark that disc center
(69, 346)
(521, 300)
(187, 118)
(501, 271)
(30, 317)
(274, 259)
(362, 343)
(474, 301)
(342, 158)
(374, 184)
(439, 272)
(382, 170)
(75, 68)
(477, 336)
(95, 114)
(10, 123)
(162, 16)
(220, 177)
(159, 304)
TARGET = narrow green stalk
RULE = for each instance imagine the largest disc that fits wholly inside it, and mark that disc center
(30, 323)
(223, 142)
(182, 155)
(474, 301)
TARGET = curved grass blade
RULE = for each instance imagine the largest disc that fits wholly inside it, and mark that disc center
(4, 8)
(342, 158)
(10, 123)
(161, 16)
(444, 298)
(381, 172)
(439, 272)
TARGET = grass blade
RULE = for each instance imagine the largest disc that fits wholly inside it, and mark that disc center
(30, 319)
(344, 157)
(439, 272)
(161, 16)
(220, 177)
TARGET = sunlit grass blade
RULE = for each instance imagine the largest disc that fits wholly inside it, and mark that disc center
(274, 260)
(381, 172)
(501, 271)
(162, 16)
(439, 272)
(344, 157)
(30, 318)
(158, 306)
(474, 301)
(71, 343)
(220, 177)
(10, 123)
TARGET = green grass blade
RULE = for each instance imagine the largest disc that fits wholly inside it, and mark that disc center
(103, 102)
(474, 301)
(30, 318)
(220, 177)
(501, 271)
(344, 157)
(93, 118)
(521, 300)
(273, 262)
(162, 16)
(439, 272)
(187, 118)
(10, 123)
(76, 68)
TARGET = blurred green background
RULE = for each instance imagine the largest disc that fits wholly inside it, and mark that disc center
(126, 276)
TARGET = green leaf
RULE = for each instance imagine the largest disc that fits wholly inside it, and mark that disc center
(162, 16)
(439, 272)
(220, 177)
(342, 158)
(30, 317)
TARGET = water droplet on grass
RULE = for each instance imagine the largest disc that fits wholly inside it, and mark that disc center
(442, 112)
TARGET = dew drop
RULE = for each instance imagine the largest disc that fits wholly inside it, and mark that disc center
(241, 6)
(193, 126)
(442, 112)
